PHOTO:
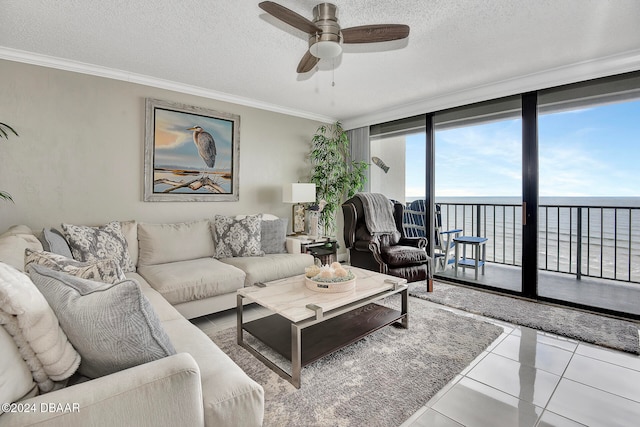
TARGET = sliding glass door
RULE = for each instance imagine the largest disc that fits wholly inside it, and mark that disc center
(478, 188)
(589, 228)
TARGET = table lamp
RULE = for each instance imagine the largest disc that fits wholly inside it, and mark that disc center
(298, 193)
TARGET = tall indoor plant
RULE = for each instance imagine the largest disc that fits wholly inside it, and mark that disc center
(335, 174)
(4, 133)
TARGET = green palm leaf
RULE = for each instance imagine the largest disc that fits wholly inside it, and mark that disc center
(4, 133)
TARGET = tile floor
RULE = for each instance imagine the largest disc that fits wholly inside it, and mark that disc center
(525, 378)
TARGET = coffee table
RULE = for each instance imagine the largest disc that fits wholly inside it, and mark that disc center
(308, 325)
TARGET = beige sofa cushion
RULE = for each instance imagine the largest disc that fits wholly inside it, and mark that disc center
(14, 241)
(162, 243)
(193, 279)
(164, 310)
(270, 266)
(230, 397)
(138, 278)
(16, 381)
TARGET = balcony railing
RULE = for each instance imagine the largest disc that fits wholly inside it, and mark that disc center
(593, 241)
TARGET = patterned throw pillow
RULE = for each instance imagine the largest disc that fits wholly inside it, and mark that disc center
(104, 270)
(237, 237)
(95, 243)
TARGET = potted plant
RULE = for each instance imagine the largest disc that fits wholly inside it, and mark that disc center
(4, 133)
(336, 176)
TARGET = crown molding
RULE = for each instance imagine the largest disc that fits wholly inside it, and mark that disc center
(581, 71)
(111, 73)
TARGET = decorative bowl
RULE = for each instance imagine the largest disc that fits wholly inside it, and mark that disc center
(330, 287)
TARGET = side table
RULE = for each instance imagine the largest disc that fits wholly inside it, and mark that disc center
(323, 249)
(478, 243)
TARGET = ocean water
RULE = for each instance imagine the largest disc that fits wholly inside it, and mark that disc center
(609, 235)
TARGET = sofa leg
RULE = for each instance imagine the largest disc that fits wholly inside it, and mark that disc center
(429, 285)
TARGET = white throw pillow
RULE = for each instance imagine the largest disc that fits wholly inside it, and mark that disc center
(13, 243)
(34, 327)
(15, 376)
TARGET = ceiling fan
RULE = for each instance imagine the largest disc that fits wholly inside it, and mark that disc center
(326, 36)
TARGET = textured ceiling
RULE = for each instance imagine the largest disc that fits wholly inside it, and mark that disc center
(234, 48)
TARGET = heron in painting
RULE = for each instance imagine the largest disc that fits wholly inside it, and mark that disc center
(205, 144)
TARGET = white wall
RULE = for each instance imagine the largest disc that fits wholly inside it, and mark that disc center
(80, 155)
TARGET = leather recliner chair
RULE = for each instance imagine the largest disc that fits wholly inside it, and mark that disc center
(406, 258)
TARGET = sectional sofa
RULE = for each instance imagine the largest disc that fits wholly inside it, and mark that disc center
(182, 275)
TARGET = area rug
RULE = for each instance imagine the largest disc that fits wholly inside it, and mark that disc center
(380, 380)
(571, 323)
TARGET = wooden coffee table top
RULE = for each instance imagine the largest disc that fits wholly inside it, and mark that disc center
(289, 297)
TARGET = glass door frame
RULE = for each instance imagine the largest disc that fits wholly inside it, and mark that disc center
(530, 194)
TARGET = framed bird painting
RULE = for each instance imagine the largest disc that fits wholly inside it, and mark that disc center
(191, 153)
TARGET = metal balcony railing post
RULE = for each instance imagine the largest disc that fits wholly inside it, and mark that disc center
(579, 243)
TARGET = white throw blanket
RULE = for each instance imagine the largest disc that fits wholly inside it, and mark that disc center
(26, 315)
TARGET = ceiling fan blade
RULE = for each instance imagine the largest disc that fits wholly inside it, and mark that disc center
(375, 33)
(307, 63)
(289, 16)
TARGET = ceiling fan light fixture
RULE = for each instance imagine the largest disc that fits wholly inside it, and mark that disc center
(325, 34)
(325, 49)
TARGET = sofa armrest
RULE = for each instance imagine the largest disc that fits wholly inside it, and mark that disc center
(293, 245)
(165, 392)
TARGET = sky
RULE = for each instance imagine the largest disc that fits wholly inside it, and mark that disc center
(582, 153)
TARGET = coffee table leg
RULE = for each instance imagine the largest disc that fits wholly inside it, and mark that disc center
(296, 354)
(405, 308)
(239, 299)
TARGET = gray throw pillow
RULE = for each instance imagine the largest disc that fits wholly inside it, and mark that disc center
(237, 237)
(273, 236)
(93, 243)
(112, 326)
(104, 270)
(53, 241)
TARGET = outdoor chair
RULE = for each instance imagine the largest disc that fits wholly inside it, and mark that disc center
(413, 225)
(444, 246)
(413, 219)
(393, 254)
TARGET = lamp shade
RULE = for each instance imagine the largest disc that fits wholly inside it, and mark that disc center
(299, 193)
